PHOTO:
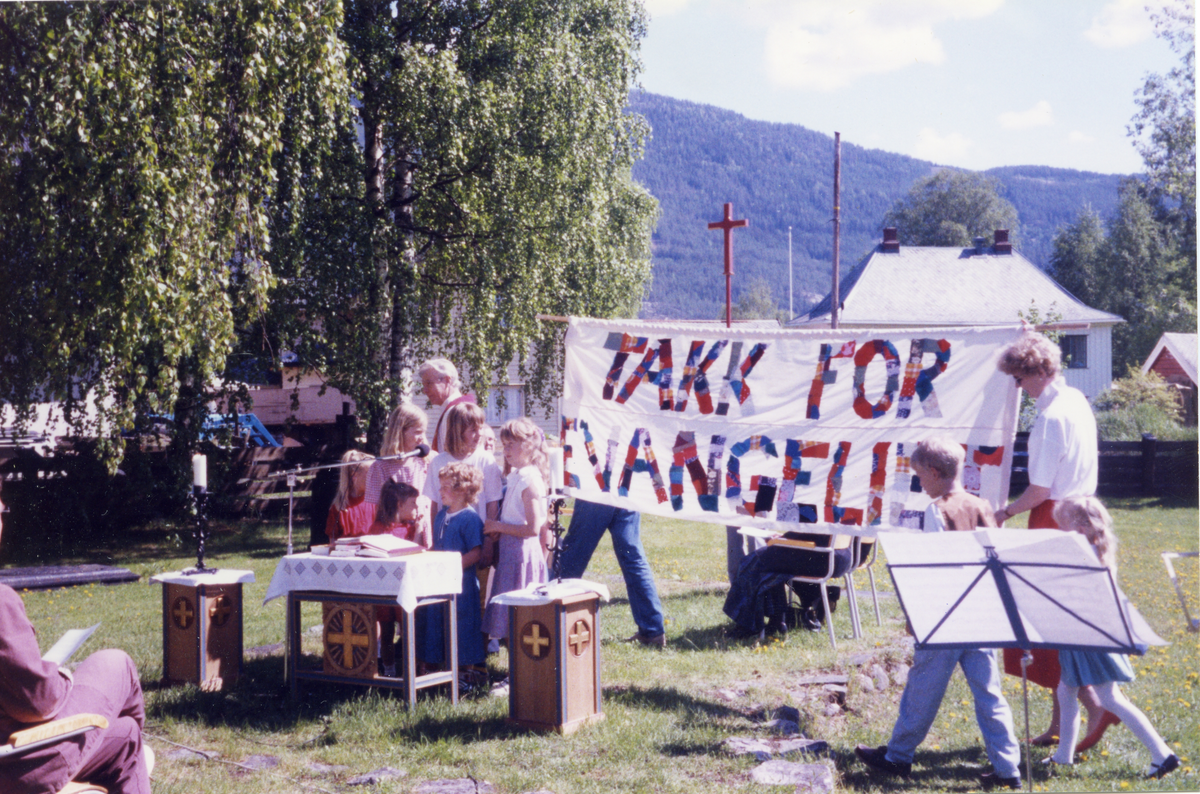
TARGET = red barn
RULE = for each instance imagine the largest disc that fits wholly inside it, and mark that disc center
(1174, 359)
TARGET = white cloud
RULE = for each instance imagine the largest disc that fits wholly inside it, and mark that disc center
(664, 8)
(946, 149)
(1121, 23)
(1039, 115)
(1076, 136)
(823, 45)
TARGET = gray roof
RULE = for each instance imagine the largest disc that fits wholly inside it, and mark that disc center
(931, 286)
(1183, 349)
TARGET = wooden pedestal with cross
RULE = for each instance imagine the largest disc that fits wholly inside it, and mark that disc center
(202, 634)
(554, 664)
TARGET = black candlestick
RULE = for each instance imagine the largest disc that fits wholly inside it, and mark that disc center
(200, 494)
(556, 506)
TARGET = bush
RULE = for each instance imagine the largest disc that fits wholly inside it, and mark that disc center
(1138, 388)
(1129, 423)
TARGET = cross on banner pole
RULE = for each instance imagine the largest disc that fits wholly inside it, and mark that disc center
(728, 224)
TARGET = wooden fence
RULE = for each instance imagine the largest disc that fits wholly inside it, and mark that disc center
(1132, 468)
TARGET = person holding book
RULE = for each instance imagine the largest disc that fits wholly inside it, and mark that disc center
(33, 690)
(938, 464)
(457, 527)
(351, 515)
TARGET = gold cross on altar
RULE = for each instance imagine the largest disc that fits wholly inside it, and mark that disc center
(348, 639)
(534, 639)
(182, 613)
(220, 610)
(579, 637)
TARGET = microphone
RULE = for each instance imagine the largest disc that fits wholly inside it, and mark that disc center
(421, 451)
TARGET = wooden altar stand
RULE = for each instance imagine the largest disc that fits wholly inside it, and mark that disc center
(554, 655)
(202, 627)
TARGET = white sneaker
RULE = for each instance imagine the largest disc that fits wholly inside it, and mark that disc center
(499, 689)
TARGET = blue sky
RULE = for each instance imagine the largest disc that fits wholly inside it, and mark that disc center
(969, 83)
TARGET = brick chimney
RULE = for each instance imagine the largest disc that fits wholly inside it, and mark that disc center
(891, 241)
(1003, 246)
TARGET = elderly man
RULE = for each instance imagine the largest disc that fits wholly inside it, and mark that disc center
(440, 383)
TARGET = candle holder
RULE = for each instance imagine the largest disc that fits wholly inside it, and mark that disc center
(200, 494)
(557, 502)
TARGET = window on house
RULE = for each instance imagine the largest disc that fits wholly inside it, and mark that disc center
(1074, 351)
(514, 404)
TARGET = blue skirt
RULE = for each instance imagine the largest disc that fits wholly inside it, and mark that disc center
(1087, 668)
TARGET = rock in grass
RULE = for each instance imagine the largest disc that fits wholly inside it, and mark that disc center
(816, 778)
(814, 746)
(185, 754)
(865, 683)
(742, 745)
(789, 713)
(462, 785)
(833, 709)
(900, 674)
(261, 761)
(879, 677)
(785, 727)
(378, 776)
(260, 651)
(317, 768)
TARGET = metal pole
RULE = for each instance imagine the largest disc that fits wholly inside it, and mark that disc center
(836, 293)
(791, 305)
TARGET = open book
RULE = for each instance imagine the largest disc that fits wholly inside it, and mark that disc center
(66, 646)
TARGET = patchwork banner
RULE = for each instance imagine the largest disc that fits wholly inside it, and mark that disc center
(774, 428)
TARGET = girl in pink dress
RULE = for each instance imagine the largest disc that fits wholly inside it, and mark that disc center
(520, 559)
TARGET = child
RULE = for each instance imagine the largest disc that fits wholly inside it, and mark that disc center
(457, 527)
(938, 462)
(464, 423)
(398, 512)
(351, 515)
(397, 515)
(1100, 670)
(520, 560)
(405, 432)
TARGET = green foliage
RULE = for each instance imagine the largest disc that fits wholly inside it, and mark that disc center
(138, 141)
(1075, 263)
(1164, 128)
(494, 185)
(951, 208)
(757, 302)
(1140, 402)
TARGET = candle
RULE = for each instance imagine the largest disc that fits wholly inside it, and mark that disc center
(556, 469)
(200, 472)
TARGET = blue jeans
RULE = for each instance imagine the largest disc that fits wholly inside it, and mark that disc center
(587, 525)
(931, 671)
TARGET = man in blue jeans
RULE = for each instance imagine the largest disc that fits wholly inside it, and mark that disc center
(588, 523)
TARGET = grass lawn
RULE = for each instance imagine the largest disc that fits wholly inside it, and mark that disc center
(667, 713)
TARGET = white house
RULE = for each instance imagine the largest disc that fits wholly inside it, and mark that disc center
(922, 286)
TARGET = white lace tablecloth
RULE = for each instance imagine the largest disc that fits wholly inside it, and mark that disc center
(429, 573)
(220, 576)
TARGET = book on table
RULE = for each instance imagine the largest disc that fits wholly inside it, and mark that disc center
(386, 546)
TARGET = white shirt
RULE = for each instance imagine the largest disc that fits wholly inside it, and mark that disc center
(493, 478)
(1063, 454)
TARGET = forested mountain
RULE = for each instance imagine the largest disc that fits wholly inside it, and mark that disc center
(777, 175)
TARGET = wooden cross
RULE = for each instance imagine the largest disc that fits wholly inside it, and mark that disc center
(535, 640)
(348, 639)
(183, 613)
(579, 636)
(220, 610)
(728, 224)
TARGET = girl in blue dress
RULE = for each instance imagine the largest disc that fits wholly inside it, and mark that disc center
(1100, 670)
(457, 527)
